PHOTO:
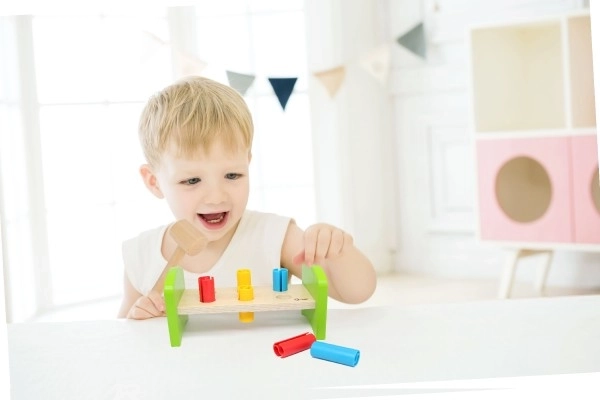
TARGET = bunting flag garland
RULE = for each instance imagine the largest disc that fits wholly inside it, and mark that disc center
(377, 62)
(332, 79)
(283, 88)
(240, 82)
(414, 41)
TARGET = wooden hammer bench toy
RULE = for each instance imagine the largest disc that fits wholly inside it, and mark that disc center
(310, 297)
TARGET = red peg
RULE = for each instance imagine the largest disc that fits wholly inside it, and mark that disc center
(294, 344)
(206, 285)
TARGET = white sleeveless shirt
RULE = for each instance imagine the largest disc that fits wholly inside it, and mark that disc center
(256, 245)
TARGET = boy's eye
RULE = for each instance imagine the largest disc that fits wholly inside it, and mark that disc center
(191, 181)
(233, 176)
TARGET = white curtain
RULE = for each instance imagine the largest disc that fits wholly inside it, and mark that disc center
(353, 139)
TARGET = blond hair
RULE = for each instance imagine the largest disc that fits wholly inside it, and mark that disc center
(191, 115)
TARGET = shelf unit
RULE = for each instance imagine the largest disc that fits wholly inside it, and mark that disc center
(534, 128)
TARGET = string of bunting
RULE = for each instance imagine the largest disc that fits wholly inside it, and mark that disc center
(376, 62)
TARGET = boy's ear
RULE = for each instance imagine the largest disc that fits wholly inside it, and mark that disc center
(150, 180)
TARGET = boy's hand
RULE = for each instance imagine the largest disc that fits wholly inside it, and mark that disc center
(321, 242)
(146, 307)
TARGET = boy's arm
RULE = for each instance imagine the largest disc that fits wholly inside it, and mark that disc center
(351, 276)
(130, 295)
(137, 306)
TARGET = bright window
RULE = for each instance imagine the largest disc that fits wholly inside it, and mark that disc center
(91, 76)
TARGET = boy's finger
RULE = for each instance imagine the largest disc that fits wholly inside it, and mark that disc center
(143, 309)
(157, 301)
(310, 246)
(139, 313)
(323, 243)
(337, 243)
(298, 258)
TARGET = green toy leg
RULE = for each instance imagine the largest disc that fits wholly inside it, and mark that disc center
(315, 281)
(174, 287)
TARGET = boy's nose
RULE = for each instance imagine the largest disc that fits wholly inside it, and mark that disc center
(215, 195)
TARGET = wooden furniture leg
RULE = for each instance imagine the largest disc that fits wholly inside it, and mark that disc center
(508, 275)
(510, 267)
(542, 273)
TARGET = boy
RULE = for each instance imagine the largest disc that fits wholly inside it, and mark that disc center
(197, 136)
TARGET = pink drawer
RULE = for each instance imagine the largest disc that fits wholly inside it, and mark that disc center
(524, 189)
(586, 191)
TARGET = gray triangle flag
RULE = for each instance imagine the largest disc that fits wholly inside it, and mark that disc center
(240, 82)
(414, 40)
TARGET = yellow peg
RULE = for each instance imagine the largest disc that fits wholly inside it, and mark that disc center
(244, 277)
(246, 293)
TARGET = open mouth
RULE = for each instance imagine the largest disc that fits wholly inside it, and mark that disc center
(214, 220)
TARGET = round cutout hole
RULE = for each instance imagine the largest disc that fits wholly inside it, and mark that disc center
(595, 189)
(523, 189)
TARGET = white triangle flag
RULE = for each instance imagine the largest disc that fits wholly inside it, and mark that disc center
(377, 62)
(151, 45)
(189, 65)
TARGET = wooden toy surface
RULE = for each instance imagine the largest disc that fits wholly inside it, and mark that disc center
(296, 297)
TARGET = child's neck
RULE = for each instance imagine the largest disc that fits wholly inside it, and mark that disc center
(206, 259)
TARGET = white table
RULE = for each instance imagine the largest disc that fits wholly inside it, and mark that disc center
(124, 359)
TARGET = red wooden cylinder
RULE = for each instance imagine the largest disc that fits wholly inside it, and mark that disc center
(207, 289)
(294, 344)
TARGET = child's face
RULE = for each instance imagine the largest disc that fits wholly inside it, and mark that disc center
(210, 190)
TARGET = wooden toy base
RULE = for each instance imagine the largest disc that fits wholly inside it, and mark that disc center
(265, 299)
(310, 298)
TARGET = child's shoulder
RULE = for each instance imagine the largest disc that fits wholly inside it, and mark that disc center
(147, 237)
(252, 217)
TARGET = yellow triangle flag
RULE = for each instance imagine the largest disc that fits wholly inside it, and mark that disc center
(332, 79)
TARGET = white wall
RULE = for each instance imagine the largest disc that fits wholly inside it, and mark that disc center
(435, 168)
